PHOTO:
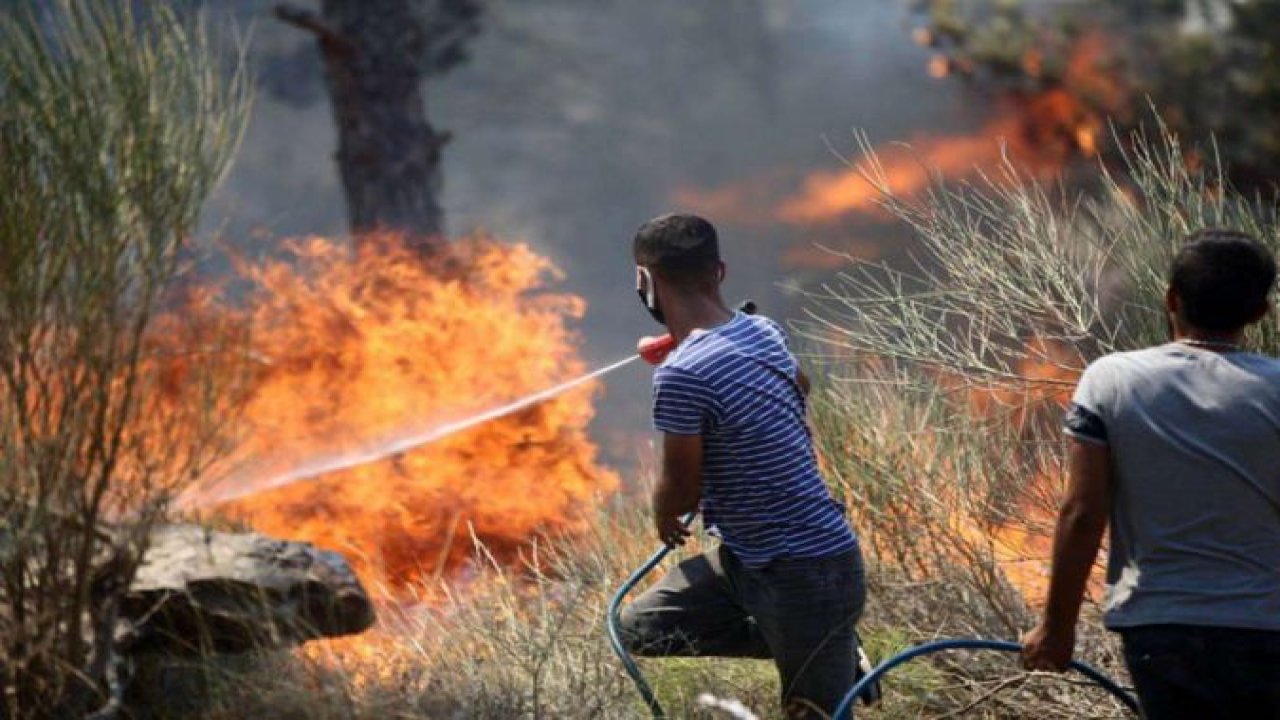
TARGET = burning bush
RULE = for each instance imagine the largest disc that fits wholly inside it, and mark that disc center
(359, 353)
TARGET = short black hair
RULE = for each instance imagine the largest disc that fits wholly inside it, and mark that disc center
(1222, 278)
(683, 249)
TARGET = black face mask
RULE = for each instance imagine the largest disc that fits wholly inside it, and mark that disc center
(648, 294)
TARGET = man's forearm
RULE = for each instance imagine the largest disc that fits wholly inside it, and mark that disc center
(673, 500)
(680, 484)
(1076, 538)
(1075, 546)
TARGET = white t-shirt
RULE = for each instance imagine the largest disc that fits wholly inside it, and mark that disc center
(1195, 522)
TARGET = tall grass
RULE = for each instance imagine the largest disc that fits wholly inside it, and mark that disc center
(114, 128)
(1016, 274)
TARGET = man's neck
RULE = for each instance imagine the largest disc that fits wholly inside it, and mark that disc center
(695, 312)
(1209, 339)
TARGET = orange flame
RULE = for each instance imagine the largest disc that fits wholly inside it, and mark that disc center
(827, 196)
(1042, 129)
(749, 203)
(360, 346)
(1022, 548)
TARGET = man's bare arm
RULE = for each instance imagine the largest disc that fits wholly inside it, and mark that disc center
(679, 487)
(1081, 523)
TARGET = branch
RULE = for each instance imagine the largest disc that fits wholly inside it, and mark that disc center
(311, 22)
(1020, 678)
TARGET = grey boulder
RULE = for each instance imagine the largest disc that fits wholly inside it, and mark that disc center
(201, 591)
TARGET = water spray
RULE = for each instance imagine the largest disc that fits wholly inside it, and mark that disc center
(243, 485)
(652, 350)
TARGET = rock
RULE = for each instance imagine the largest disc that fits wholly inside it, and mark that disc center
(201, 591)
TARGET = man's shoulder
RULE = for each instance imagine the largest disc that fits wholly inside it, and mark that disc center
(1104, 377)
(675, 372)
(709, 351)
(1119, 374)
(1128, 361)
(1112, 364)
(1175, 354)
(1262, 364)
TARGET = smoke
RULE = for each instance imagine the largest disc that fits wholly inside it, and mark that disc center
(576, 120)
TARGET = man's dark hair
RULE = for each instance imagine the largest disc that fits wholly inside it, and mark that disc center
(683, 249)
(1222, 278)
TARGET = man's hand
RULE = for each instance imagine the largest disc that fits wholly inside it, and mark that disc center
(802, 381)
(1044, 649)
(671, 531)
(655, 349)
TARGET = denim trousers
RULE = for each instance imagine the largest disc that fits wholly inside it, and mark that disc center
(1195, 671)
(799, 612)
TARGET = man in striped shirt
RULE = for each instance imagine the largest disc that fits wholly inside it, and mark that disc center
(786, 581)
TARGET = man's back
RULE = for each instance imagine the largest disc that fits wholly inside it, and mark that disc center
(1195, 443)
(735, 385)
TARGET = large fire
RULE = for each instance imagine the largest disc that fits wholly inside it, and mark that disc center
(354, 349)
(357, 348)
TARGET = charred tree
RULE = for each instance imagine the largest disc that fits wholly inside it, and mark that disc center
(377, 54)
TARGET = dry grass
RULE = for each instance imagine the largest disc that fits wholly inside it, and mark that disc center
(530, 643)
(955, 511)
(507, 642)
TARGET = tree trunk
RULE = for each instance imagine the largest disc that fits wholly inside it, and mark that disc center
(388, 154)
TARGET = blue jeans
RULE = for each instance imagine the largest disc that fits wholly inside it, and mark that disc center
(799, 612)
(1194, 671)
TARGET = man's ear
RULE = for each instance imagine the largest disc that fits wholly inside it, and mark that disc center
(721, 271)
(1171, 301)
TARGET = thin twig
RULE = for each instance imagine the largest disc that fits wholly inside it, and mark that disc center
(985, 696)
(311, 22)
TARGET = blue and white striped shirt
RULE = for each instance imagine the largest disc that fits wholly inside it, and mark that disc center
(735, 386)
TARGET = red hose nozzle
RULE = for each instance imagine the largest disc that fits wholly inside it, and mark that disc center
(654, 349)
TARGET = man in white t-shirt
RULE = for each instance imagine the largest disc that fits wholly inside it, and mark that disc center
(1178, 446)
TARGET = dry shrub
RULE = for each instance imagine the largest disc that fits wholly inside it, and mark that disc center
(113, 130)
